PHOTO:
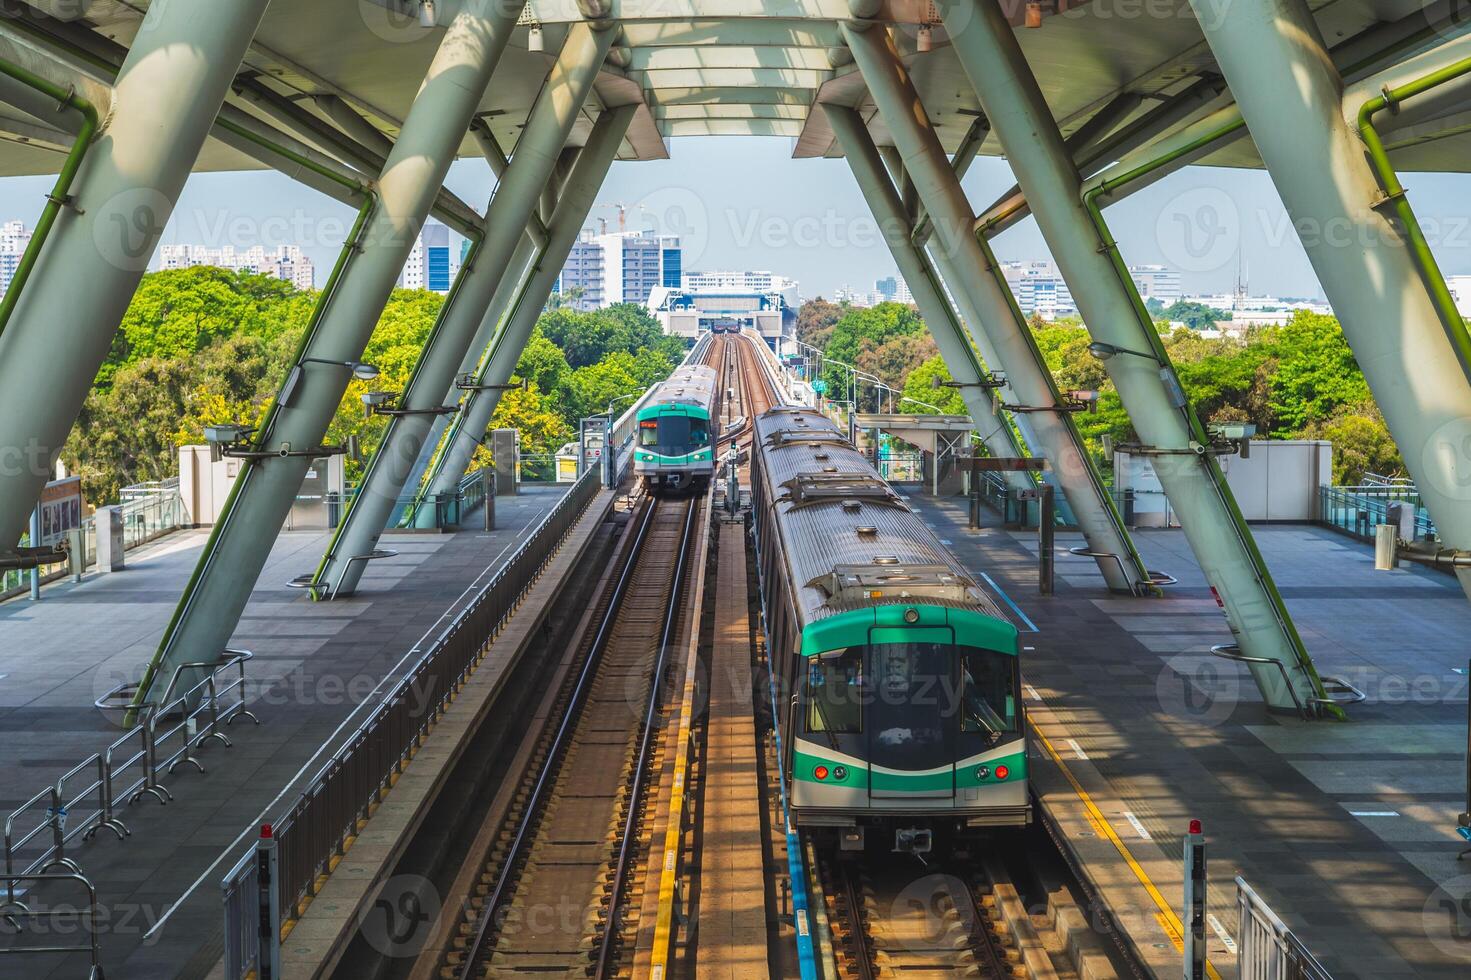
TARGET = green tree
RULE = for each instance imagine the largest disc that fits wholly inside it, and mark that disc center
(920, 386)
(1196, 316)
(816, 319)
(1316, 373)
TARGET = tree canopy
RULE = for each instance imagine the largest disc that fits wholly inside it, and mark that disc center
(201, 346)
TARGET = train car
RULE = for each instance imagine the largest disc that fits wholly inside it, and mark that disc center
(725, 324)
(901, 715)
(675, 449)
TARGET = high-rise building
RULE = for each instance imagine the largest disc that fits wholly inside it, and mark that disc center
(14, 237)
(1039, 289)
(429, 266)
(893, 289)
(621, 267)
(285, 262)
(1156, 282)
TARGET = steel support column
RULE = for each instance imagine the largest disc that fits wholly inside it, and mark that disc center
(989, 311)
(1172, 435)
(888, 210)
(169, 89)
(1412, 358)
(511, 208)
(494, 314)
(573, 206)
(293, 429)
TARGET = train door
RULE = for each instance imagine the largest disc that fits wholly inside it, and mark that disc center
(910, 721)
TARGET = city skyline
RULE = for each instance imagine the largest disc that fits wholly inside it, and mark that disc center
(795, 200)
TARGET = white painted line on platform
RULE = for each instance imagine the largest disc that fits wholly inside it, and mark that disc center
(1077, 749)
(1222, 934)
(1138, 827)
(1032, 694)
(1373, 813)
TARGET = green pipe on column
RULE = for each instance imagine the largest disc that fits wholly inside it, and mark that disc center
(444, 309)
(1091, 203)
(324, 299)
(60, 192)
(1394, 196)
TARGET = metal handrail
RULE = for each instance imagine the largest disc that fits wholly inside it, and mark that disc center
(1352, 695)
(1266, 949)
(1232, 651)
(342, 792)
(13, 912)
(135, 748)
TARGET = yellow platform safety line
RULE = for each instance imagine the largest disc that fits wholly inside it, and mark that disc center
(1168, 919)
(674, 825)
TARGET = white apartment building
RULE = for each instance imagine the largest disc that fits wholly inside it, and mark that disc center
(285, 262)
(1156, 282)
(14, 237)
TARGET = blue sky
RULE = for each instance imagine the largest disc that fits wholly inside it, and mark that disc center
(743, 203)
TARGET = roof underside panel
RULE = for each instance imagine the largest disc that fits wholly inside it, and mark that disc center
(706, 67)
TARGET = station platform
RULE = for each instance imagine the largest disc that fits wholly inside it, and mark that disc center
(314, 664)
(1345, 829)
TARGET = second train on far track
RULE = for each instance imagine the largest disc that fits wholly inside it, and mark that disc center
(675, 447)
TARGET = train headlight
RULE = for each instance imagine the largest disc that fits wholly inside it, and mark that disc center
(983, 772)
(1002, 772)
(840, 772)
(820, 772)
(911, 615)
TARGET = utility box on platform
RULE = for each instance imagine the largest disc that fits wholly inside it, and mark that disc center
(505, 449)
(1278, 481)
(109, 524)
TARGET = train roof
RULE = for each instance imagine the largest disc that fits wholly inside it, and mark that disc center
(691, 384)
(845, 532)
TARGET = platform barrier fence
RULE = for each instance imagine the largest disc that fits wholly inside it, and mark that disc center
(318, 826)
(1266, 949)
(56, 920)
(87, 797)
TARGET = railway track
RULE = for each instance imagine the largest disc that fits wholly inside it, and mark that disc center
(553, 893)
(966, 917)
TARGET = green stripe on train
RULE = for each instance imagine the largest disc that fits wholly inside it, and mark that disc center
(703, 455)
(852, 629)
(857, 777)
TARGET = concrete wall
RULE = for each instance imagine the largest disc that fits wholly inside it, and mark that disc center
(1279, 481)
(204, 485)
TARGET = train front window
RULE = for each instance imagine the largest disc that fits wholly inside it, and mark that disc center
(673, 435)
(834, 686)
(910, 704)
(988, 693)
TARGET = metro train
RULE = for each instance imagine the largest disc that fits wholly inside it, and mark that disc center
(675, 449)
(903, 713)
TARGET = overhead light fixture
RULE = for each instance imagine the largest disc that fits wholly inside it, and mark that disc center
(1104, 351)
(428, 15)
(535, 39)
(925, 39)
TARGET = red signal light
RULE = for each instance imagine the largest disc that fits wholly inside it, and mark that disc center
(820, 772)
(1195, 826)
(1002, 772)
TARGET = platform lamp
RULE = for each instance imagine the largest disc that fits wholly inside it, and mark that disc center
(361, 371)
(1172, 385)
(428, 13)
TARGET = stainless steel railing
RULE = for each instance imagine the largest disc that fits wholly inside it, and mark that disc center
(86, 798)
(316, 826)
(1265, 948)
(16, 915)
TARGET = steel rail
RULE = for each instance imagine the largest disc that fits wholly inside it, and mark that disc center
(530, 812)
(640, 769)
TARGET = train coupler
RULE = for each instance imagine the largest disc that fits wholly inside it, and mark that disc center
(914, 840)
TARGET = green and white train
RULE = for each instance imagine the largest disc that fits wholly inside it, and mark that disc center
(675, 449)
(902, 713)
